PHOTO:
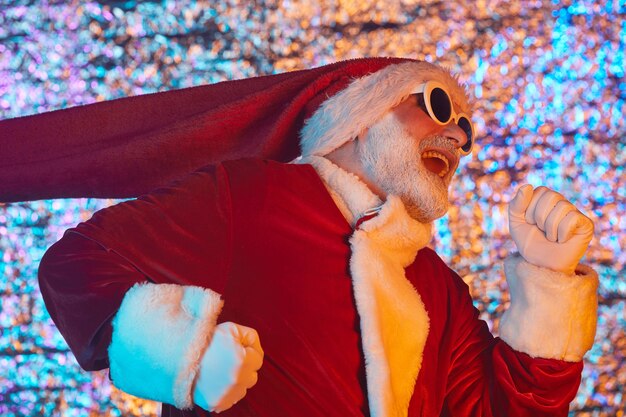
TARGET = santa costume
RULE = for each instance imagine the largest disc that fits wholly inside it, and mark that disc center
(355, 317)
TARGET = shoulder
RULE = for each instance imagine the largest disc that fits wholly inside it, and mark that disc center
(257, 178)
(428, 258)
(252, 169)
(264, 188)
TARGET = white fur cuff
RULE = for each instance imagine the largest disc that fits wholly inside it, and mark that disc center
(552, 315)
(159, 336)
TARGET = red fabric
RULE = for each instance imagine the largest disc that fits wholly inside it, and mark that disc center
(127, 147)
(269, 238)
(364, 218)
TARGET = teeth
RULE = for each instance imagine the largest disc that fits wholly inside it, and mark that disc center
(435, 154)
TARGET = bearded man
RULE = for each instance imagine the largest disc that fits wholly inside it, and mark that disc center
(322, 260)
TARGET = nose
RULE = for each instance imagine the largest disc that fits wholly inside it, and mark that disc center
(454, 132)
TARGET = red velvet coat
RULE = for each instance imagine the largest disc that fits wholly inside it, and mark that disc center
(270, 239)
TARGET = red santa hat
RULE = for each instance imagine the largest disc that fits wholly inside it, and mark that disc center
(127, 147)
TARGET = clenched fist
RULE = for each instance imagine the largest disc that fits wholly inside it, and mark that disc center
(228, 368)
(547, 229)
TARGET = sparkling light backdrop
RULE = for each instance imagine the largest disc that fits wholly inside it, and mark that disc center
(548, 78)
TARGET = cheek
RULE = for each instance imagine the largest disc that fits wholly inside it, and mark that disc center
(424, 128)
(416, 122)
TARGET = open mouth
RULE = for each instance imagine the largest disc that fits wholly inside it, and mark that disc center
(436, 162)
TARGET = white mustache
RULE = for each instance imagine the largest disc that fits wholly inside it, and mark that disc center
(438, 141)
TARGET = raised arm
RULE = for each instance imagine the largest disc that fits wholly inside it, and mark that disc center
(534, 370)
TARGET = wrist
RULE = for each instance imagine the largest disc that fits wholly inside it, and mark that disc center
(159, 334)
(552, 314)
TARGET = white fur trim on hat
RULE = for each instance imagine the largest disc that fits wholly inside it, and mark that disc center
(159, 336)
(366, 100)
(552, 314)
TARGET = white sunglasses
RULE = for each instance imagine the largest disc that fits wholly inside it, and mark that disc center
(433, 98)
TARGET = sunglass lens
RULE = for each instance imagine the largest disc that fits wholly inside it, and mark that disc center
(466, 126)
(440, 103)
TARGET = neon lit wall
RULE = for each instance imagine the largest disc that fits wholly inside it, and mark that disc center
(548, 78)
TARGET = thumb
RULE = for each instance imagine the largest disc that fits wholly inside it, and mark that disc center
(245, 336)
(519, 203)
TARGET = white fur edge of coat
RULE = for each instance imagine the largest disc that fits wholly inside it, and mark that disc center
(159, 336)
(552, 315)
(394, 320)
(350, 194)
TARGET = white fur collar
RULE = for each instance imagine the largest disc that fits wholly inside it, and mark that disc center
(394, 321)
(350, 194)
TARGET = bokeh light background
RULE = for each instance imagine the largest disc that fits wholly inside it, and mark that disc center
(549, 83)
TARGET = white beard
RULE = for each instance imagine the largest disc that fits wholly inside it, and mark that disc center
(392, 159)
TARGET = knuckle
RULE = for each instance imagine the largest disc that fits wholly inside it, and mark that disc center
(240, 355)
(525, 188)
(565, 203)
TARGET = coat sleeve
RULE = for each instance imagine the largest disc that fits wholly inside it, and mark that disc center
(489, 378)
(136, 288)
